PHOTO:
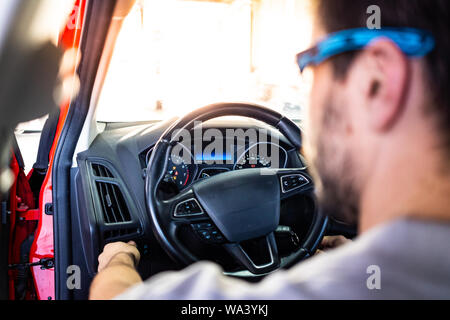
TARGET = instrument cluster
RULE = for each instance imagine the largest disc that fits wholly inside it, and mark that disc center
(187, 167)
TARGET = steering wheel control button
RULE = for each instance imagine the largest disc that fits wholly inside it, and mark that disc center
(198, 226)
(188, 208)
(292, 182)
(218, 237)
(208, 232)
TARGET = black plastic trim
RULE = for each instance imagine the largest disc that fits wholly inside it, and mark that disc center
(97, 21)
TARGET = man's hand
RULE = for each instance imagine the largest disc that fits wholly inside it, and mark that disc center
(116, 253)
(331, 242)
(117, 270)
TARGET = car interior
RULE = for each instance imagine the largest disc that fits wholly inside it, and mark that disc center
(116, 179)
(127, 186)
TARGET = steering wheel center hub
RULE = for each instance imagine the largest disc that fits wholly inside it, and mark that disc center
(255, 209)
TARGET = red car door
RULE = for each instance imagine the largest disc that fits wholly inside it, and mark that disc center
(31, 220)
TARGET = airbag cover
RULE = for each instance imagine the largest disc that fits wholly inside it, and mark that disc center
(244, 204)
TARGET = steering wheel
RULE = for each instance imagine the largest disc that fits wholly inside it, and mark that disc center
(216, 204)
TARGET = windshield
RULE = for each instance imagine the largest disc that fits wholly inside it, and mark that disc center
(173, 56)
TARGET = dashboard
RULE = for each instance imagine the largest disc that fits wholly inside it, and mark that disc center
(108, 184)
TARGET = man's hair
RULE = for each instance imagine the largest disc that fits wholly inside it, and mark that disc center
(431, 15)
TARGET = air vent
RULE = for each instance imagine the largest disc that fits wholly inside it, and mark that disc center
(100, 170)
(113, 203)
(111, 234)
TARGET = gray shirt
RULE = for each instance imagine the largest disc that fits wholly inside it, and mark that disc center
(405, 259)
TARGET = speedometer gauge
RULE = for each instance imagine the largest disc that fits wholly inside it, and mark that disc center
(177, 171)
(256, 156)
(181, 170)
(252, 160)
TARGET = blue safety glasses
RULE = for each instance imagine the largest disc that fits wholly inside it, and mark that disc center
(412, 42)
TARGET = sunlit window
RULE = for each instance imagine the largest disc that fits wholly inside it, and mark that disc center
(173, 56)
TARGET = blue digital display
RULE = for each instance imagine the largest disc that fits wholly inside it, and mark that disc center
(213, 157)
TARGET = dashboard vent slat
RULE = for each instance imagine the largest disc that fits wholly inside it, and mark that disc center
(122, 214)
(100, 170)
(112, 202)
(112, 234)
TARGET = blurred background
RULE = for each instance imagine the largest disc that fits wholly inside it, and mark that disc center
(175, 55)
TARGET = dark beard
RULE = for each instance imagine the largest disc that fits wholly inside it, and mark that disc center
(337, 191)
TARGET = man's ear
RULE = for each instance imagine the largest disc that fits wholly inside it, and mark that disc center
(386, 83)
